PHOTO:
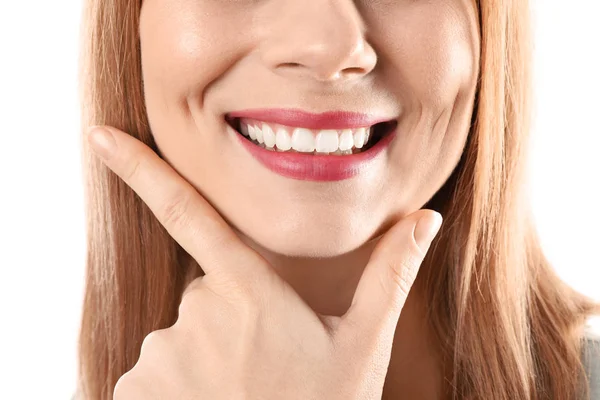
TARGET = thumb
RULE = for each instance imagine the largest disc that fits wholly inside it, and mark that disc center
(389, 275)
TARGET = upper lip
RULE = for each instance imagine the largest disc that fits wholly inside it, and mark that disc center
(303, 119)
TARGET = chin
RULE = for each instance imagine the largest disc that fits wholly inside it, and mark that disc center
(307, 241)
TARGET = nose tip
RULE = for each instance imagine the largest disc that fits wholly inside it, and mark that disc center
(323, 42)
(323, 64)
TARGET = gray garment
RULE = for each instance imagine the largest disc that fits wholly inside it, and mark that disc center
(591, 359)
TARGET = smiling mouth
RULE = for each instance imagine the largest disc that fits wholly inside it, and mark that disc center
(289, 139)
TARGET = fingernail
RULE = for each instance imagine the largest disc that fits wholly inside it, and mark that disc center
(102, 142)
(426, 229)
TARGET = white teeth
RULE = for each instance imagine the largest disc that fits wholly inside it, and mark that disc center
(303, 140)
(252, 132)
(283, 141)
(259, 134)
(268, 135)
(359, 138)
(346, 140)
(327, 141)
(284, 138)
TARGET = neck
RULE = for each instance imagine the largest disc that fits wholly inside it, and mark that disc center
(327, 285)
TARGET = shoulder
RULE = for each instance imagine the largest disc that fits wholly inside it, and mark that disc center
(591, 356)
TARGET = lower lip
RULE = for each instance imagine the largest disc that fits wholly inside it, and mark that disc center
(310, 167)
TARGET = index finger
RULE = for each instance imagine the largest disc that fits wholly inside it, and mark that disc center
(185, 214)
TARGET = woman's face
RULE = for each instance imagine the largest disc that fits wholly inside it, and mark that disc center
(411, 61)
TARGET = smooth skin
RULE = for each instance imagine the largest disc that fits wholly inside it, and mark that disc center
(242, 331)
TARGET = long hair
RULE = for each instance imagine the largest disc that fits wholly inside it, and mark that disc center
(506, 325)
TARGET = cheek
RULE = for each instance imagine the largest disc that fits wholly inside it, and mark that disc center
(186, 45)
(442, 79)
(444, 82)
(443, 69)
(434, 53)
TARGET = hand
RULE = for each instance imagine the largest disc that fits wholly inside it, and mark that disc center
(242, 331)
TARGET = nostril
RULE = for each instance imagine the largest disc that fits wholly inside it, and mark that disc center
(354, 70)
(290, 65)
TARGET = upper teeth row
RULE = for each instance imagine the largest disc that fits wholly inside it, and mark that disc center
(305, 140)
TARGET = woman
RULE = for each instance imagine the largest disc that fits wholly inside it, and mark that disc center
(232, 255)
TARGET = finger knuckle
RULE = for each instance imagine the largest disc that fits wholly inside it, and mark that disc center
(243, 293)
(234, 283)
(128, 387)
(403, 274)
(190, 302)
(155, 342)
(132, 168)
(244, 296)
(175, 209)
(193, 286)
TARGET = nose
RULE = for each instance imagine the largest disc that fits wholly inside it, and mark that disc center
(323, 40)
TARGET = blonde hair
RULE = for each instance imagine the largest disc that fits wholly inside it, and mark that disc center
(507, 327)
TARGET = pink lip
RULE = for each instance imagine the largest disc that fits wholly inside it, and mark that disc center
(315, 167)
(301, 119)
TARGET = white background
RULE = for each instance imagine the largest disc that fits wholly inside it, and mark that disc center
(42, 238)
